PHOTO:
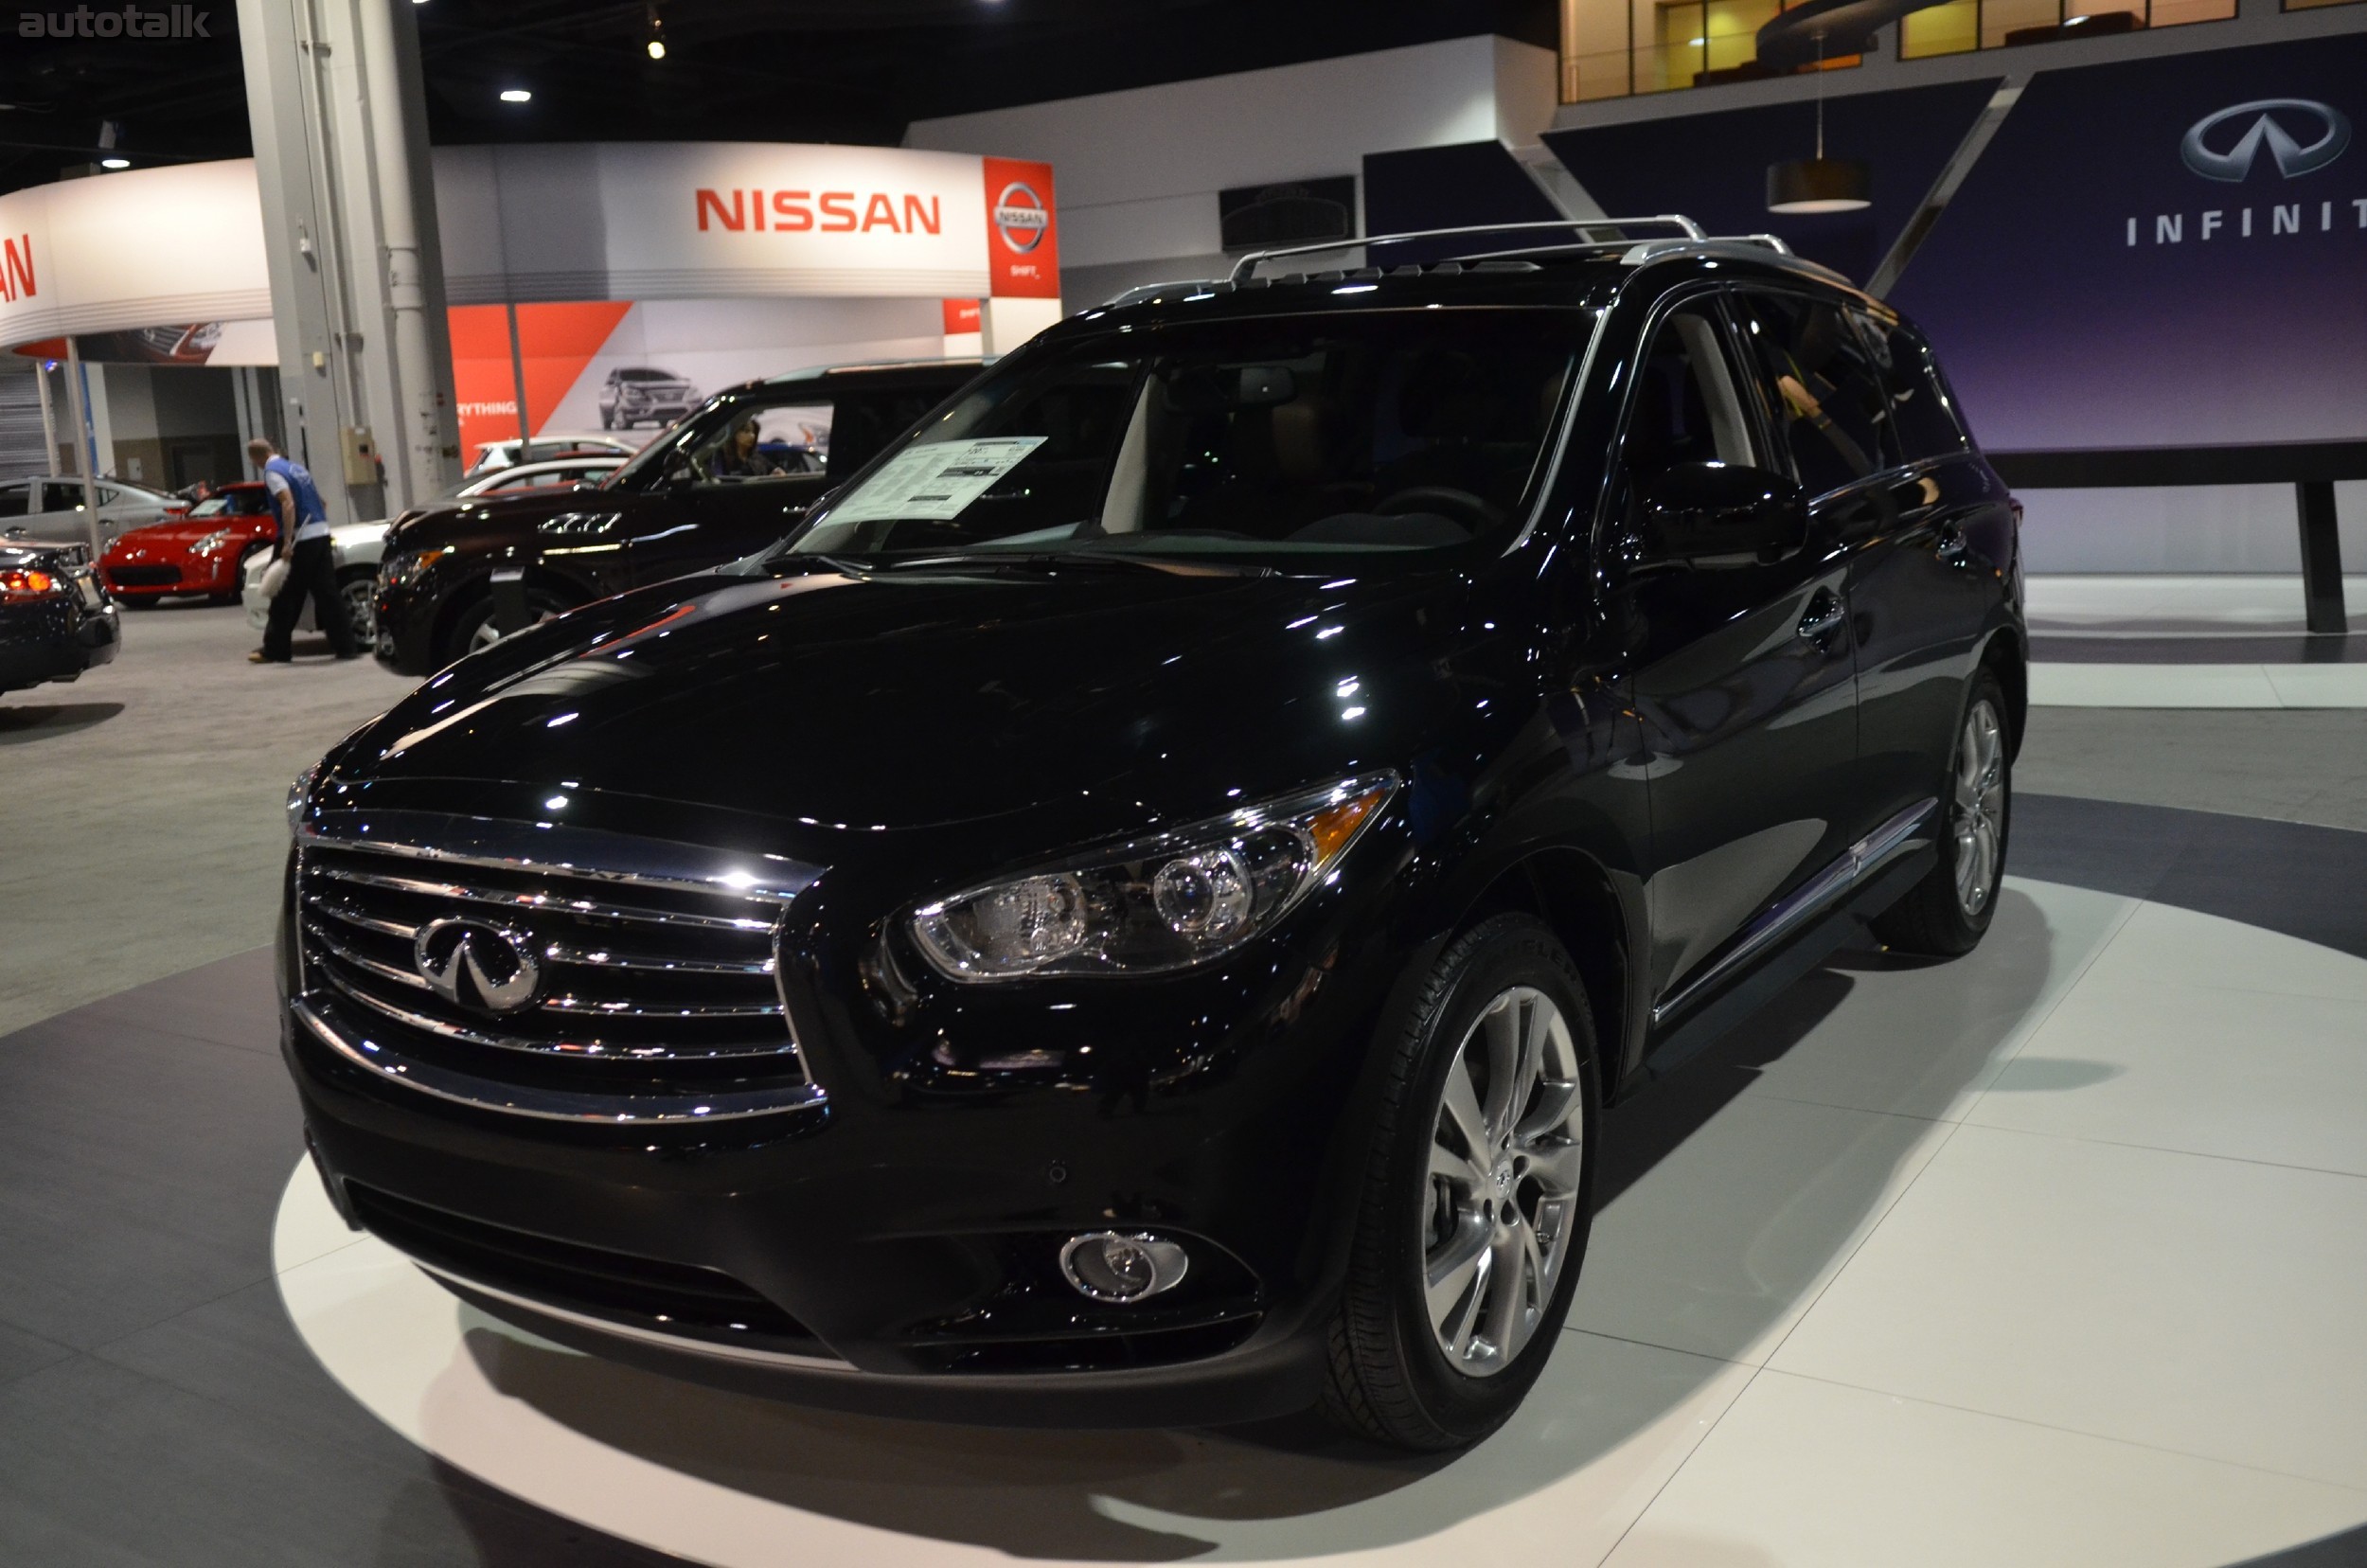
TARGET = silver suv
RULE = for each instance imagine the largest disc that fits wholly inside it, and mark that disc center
(642, 394)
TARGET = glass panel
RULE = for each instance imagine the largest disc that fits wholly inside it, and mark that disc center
(1951, 29)
(1999, 18)
(1593, 50)
(2177, 13)
(1829, 407)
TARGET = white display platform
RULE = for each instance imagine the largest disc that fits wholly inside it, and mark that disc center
(2048, 1255)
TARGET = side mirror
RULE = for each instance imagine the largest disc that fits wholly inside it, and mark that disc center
(680, 471)
(1723, 514)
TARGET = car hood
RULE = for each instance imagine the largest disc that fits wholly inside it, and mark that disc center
(916, 698)
(175, 538)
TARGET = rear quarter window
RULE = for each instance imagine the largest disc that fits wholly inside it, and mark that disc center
(1922, 411)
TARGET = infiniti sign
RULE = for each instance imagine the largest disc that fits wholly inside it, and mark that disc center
(2268, 128)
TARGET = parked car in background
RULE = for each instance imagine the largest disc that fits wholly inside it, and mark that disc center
(642, 394)
(676, 508)
(56, 620)
(49, 510)
(355, 547)
(203, 552)
(542, 449)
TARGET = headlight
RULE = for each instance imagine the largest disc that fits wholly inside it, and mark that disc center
(211, 542)
(1155, 905)
(398, 570)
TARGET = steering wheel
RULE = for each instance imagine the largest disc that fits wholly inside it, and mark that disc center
(1477, 512)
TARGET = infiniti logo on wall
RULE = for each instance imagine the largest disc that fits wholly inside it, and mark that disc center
(2266, 123)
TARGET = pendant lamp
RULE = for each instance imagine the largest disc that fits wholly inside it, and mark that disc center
(1818, 184)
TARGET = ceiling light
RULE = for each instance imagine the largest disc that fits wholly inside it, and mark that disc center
(657, 48)
(516, 94)
(115, 163)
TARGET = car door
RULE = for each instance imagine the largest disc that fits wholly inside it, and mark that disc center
(1741, 672)
(57, 516)
(1920, 589)
(703, 516)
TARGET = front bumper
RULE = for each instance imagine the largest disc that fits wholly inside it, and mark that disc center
(894, 1247)
(54, 641)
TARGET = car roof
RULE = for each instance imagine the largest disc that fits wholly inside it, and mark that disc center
(1551, 270)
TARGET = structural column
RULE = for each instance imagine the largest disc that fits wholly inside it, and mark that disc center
(341, 158)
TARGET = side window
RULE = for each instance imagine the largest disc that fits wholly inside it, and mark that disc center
(13, 498)
(1827, 403)
(60, 495)
(1921, 411)
(1686, 407)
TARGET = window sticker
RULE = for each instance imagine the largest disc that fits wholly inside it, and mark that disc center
(934, 482)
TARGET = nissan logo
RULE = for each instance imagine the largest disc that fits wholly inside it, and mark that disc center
(477, 965)
(1021, 216)
(2267, 128)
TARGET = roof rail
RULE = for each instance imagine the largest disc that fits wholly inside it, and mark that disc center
(1247, 265)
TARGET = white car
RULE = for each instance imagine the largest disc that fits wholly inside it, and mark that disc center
(501, 455)
(49, 510)
(357, 546)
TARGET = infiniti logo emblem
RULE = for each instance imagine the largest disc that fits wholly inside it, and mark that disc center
(477, 965)
(2268, 128)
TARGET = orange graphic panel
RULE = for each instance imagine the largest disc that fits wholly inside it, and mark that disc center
(556, 342)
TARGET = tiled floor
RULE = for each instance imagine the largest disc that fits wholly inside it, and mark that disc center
(2036, 1258)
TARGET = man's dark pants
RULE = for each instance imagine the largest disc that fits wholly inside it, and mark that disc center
(312, 569)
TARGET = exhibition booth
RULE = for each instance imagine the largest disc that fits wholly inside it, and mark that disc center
(589, 287)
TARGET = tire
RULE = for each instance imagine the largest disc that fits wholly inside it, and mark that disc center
(1507, 1233)
(238, 575)
(357, 587)
(608, 418)
(472, 628)
(1945, 914)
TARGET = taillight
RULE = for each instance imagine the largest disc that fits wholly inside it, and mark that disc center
(19, 585)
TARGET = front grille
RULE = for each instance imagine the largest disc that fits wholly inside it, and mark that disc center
(144, 576)
(645, 989)
(682, 1299)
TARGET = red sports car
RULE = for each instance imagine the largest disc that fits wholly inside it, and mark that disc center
(203, 553)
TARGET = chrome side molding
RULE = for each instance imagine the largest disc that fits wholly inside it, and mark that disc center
(1854, 865)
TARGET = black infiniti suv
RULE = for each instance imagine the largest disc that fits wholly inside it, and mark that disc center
(1131, 913)
(459, 574)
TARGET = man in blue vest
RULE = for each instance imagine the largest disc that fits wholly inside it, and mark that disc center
(312, 566)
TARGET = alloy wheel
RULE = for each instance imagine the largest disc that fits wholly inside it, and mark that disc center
(1506, 1157)
(1977, 817)
(361, 596)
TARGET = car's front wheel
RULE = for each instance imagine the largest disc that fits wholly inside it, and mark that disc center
(1945, 914)
(477, 629)
(1476, 1203)
(358, 587)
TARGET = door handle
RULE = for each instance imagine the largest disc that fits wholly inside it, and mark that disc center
(1825, 613)
(1949, 545)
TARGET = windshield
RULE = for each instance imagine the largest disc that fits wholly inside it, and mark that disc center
(1369, 433)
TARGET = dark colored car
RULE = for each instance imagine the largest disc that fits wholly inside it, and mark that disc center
(56, 620)
(642, 394)
(1133, 914)
(206, 552)
(684, 503)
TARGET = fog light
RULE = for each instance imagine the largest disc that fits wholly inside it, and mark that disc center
(1109, 1266)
